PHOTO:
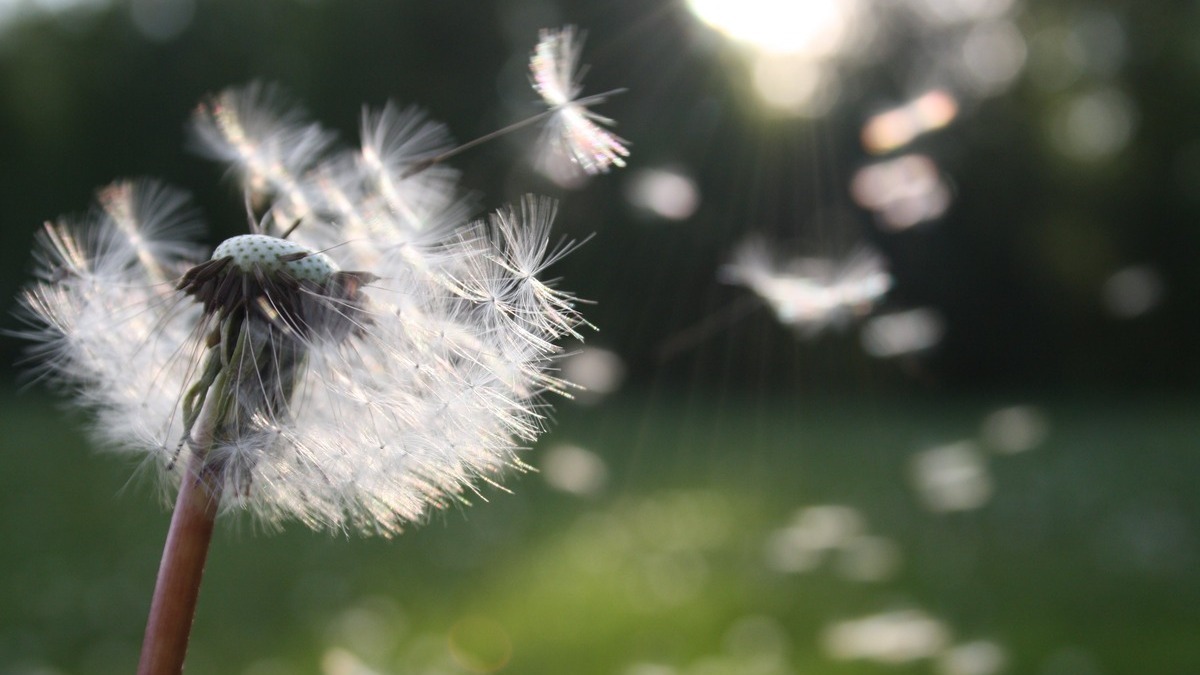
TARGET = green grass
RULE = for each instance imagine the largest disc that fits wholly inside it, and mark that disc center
(1087, 557)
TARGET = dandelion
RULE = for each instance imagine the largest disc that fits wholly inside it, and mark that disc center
(361, 356)
(811, 294)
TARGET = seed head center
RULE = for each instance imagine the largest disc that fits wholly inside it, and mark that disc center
(272, 254)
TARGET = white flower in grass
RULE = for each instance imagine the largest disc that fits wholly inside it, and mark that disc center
(574, 130)
(354, 361)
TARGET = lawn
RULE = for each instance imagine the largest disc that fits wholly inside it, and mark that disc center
(691, 547)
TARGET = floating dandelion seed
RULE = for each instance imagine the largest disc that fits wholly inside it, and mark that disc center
(811, 294)
(573, 130)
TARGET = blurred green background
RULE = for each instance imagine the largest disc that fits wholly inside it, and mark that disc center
(1015, 495)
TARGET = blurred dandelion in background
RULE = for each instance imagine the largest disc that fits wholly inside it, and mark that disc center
(903, 192)
(833, 532)
(893, 637)
(811, 294)
(902, 333)
(952, 477)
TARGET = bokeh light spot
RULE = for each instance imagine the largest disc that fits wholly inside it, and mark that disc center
(792, 550)
(757, 638)
(337, 661)
(599, 371)
(902, 333)
(162, 20)
(993, 55)
(666, 193)
(980, 657)
(949, 12)
(891, 637)
(903, 191)
(868, 558)
(897, 127)
(1095, 125)
(951, 477)
(1015, 429)
(572, 469)
(1133, 291)
(371, 628)
(813, 531)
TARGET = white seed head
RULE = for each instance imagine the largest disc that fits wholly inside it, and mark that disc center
(353, 390)
(272, 254)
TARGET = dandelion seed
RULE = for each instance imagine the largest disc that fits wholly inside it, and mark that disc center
(573, 130)
(811, 294)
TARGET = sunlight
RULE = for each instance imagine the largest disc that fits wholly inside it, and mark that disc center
(812, 27)
(791, 46)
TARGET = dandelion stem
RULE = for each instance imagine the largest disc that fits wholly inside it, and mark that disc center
(437, 159)
(175, 594)
(428, 162)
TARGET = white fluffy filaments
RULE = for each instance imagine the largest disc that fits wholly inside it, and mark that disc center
(104, 318)
(268, 141)
(401, 372)
(811, 294)
(574, 130)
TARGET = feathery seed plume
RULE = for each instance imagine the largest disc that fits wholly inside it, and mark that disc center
(378, 361)
(573, 130)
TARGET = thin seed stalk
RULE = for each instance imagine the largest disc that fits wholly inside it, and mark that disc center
(178, 588)
(173, 607)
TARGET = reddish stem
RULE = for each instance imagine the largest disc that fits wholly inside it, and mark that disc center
(179, 574)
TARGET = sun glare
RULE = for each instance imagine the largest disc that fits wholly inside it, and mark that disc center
(789, 46)
(811, 27)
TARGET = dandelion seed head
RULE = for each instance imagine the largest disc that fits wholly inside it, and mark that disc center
(368, 354)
